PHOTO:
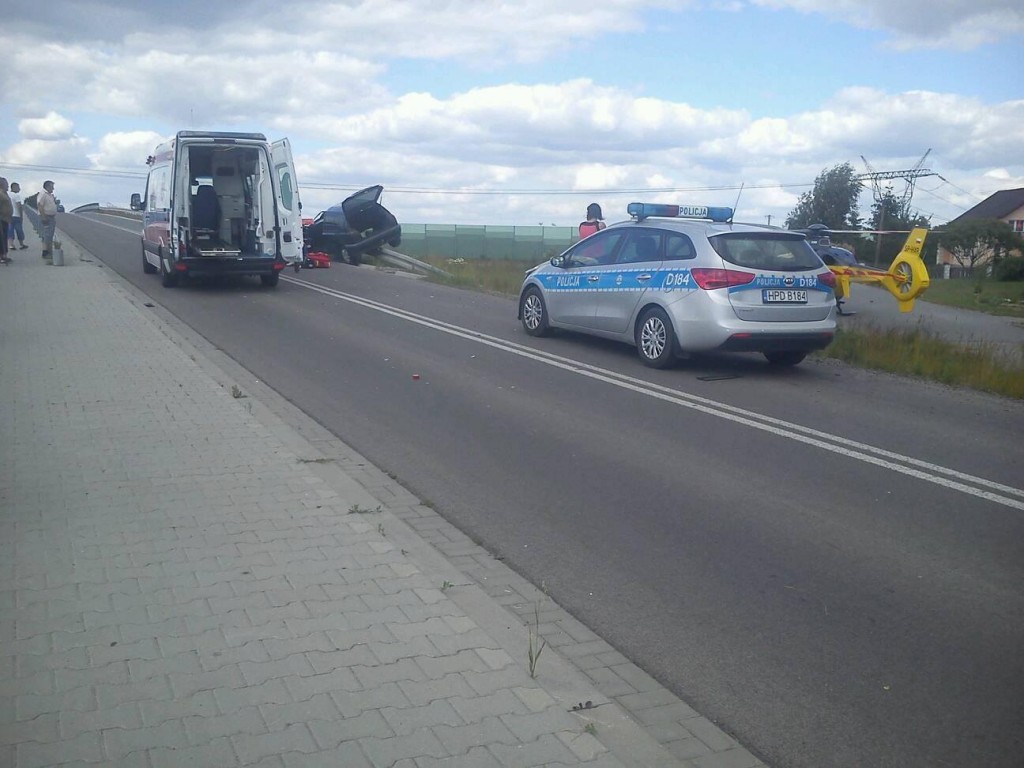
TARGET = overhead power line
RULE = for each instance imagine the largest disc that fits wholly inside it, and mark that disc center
(414, 190)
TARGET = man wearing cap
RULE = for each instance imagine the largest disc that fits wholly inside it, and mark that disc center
(46, 204)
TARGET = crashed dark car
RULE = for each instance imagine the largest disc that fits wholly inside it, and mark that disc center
(356, 226)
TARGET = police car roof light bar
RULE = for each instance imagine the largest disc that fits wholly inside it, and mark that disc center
(641, 211)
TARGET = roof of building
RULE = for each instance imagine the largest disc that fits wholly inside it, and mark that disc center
(995, 206)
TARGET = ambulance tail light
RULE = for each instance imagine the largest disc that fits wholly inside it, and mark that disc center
(712, 279)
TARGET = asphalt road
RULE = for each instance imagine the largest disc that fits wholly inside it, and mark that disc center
(825, 561)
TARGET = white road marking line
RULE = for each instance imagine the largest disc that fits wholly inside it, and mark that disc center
(907, 465)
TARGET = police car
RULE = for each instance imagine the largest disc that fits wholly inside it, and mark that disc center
(679, 279)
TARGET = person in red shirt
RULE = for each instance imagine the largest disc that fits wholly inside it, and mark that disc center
(594, 222)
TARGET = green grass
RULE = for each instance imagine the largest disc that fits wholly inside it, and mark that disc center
(501, 276)
(919, 353)
(984, 295)
(907, 353)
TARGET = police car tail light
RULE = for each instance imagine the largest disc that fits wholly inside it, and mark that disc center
(829, 279)
(710, 279)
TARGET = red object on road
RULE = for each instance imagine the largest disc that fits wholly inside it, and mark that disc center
(319, 259)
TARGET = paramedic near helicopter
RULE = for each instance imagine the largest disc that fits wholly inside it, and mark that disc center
(594, 222)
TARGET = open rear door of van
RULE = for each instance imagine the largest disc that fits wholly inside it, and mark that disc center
(288, 203)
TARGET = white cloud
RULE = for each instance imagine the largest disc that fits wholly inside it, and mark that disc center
(127, 150)
(319, 79)
(955, 24)
(50, 127)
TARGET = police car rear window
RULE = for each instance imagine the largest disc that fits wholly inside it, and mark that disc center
(766, 250)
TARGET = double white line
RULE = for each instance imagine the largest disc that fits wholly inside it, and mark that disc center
(906, 465)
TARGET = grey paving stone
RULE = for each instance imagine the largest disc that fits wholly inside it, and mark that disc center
(387, 752)
(303, 688)
(258, 672)
(404, 721)
(534, 725)
(74, 723)
(476, 757)
(475, 709)
(353, 703)
(202, 704)
(41, 728)
(426, 691)
(328, 661)
(458, 738)
(271, 692)
(347, 755)
(253, 747)
(318, 707)
(546, 751)
(214, 754)
(329, 734)
(203, 729)
(119, 742)
(34, 754)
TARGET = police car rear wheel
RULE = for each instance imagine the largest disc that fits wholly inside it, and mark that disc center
(655, 339)
(785, 358)
(534, 313)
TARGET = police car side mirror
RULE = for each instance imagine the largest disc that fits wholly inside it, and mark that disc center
(558, 261)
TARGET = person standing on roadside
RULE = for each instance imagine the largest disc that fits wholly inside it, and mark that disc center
(6, 211)
(46, 204)
(17, 228)
(594, 221)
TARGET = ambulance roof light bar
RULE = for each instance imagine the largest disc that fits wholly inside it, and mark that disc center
(641, 211)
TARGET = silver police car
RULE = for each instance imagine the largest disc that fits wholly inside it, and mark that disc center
(679, 279)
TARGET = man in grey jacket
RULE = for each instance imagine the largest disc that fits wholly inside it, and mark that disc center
(46, 204)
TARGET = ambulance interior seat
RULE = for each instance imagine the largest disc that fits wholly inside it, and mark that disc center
(231, 201)
(205, 209)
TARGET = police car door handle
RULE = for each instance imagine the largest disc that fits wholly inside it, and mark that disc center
(643, 278)
(593, 278)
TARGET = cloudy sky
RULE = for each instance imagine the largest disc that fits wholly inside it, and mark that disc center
(523, 111)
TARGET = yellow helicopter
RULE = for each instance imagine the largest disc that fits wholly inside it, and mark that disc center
(906, 278)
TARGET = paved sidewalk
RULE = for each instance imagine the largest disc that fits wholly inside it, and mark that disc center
(188, 579)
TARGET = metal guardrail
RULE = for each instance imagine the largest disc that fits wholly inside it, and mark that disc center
(393, 257)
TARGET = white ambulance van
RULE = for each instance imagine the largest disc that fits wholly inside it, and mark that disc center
(220, 204)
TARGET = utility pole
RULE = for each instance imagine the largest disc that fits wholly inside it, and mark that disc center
(909, 176)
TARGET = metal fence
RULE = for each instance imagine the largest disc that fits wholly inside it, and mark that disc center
(485, 241)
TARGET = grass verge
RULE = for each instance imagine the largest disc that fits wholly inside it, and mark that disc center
(501, 276)
(918, 353)
(985, 295)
